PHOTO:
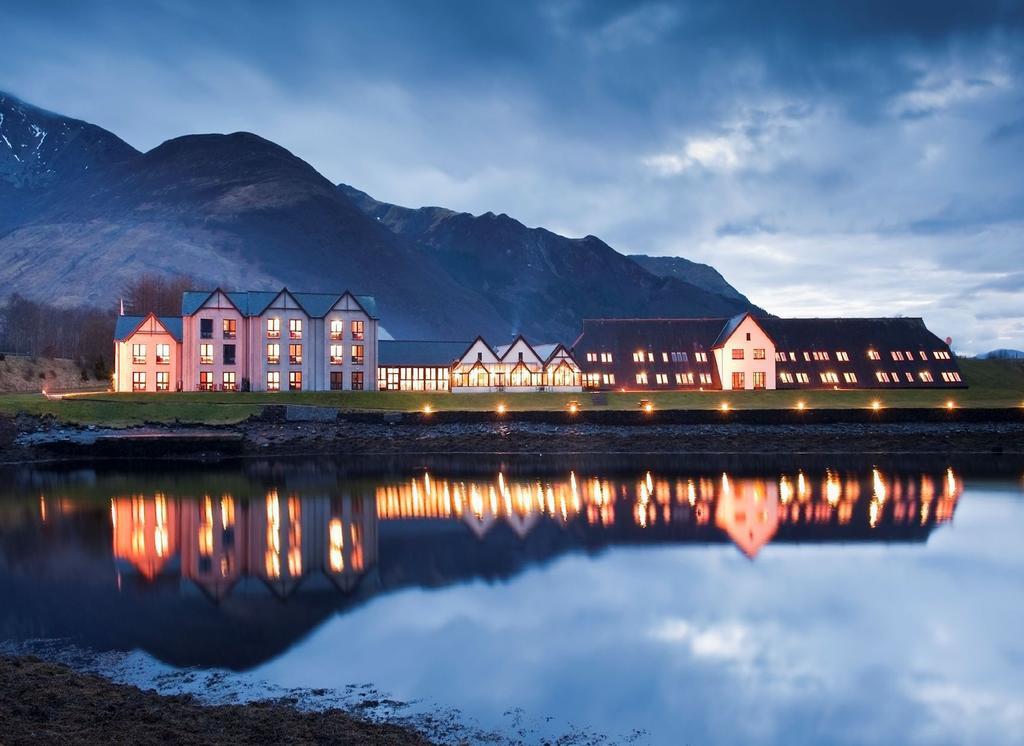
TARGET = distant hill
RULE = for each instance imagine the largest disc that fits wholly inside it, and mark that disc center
(82, 213)
(1001, 354)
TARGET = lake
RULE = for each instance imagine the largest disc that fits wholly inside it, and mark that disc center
(652, 599)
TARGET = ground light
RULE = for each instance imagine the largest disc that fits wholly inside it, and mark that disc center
(646, 405)
(800, 405)
(427, 409)
(725, 406)
(574, 407)
(876, 405)
(950, 404)
(501, 408)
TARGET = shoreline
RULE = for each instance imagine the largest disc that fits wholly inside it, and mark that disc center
(41, 701)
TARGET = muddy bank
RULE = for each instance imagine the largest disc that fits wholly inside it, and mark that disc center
(29, 438)
(49, 703)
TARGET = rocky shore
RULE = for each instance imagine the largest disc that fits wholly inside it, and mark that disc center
(44, 702)
(28, 438)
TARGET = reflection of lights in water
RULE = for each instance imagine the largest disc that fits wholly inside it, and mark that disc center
(785, 490)
(801, 487)
(950, 482)
(691, 492)
(832, 489)
(336, 539)
(726, 488)
(272, 556)
(878, 486)
(873, 513)
(42, 508)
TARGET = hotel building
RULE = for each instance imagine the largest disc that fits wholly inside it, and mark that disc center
(746, 352)
(147, 353)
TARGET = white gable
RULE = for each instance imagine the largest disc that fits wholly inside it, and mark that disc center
(347, 302)
(511, 355)
(285, 302)
(479, 349)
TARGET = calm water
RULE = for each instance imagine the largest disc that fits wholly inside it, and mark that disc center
(744, 601)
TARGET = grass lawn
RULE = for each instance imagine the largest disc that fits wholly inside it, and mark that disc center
(992, 383)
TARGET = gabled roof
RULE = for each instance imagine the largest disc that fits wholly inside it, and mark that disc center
(554, 351)
(504, 350)
(732, 325)
(419, 353)
(126, 326)
(255, 302)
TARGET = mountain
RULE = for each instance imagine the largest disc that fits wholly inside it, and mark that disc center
(84, 213)
(1002, 354)
(702, 275)
(547, 281)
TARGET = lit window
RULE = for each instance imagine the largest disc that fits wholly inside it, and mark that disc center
(357, 332)
(641, 379)
(295, 328)
(337, 355)
(807, 357)
(760, 379)
(705, 379)
(882, 376)
(737, 353)
(926, 376)
(850, 377)
(295, 380)
(785, 378)
(758, 353)
(206, 380)
(230, 328)
(950, 376)
(273, 380)
(684, 379)
(661, 379)
(139, 381)
(842, 357)
(942, 355)
(638, 357)
(609, 379)
(163, 380)
(829, 377)
(701, 357)
(206, 354)
(780, 357)
(802, 378)
(273, 353)
(591, 357)
(874, 355)
(139, 354)
(163, 354)
(664, 357)
(738, 379)
(910, 377)
(897, 355)
(337, 329)
(228, 383)
(357, 354)
(295, 354)
(273, 328)
(606, 357)
(923, 354)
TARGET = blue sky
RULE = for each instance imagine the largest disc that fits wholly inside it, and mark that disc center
(849, 158)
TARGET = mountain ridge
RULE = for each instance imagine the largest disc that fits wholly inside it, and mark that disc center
(241, 211)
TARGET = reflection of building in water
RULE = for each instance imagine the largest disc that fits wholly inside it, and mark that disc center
(145, 532)
(281, 539)
(750, 511)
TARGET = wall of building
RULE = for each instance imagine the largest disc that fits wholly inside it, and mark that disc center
(150, 334)
(217, 308)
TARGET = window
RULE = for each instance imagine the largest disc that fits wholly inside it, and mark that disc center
(273, 353)
(295, 328)
(684, 379)
(705, 379)
(139, 381)
(337, 355)
(139, 354)
(737, 353)
(950, 376)
(739, 380)
(274, 380)
(206, 380)
(337, 380)
(206, 354)
(923, 354)
(609, 379)
(802, 378)
(942, 355)
(273, 328)
(230, 328)
(606, 357)
(337, 329)
(829, 377)
(792, 357)
(850, 377)
(820, 356)
(641, 379)
(591, 357)
(357, 331)
(842, 357)
(701, 357)
(926, 376)
(758, 353)
(785, 378)
(229, 355)
(638, 357)
(748, 336)
(228, 380)
(661, 379)
(357, 352)
(357, 380)
(206, 328)
(295, 354)
(897, 355)
(664, 357)
(910, 376)
(760, 379)
(874, 355)
(163, 380)
(780, 357)
(295, 380)
(163, 354)
(882, 376)
(680, 357)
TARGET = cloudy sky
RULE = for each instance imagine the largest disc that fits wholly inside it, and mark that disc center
(849, 158)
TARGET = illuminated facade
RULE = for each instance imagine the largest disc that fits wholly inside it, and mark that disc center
(147, 353)
(518, 367)
(750, 353)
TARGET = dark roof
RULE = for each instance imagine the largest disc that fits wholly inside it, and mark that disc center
(255, 302)
(419, 353)
(126, 326)
(858, 333)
